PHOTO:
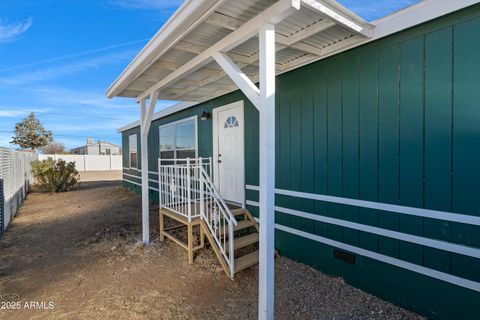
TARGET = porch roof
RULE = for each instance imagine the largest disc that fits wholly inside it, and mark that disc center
(317, 29)
(176, 62)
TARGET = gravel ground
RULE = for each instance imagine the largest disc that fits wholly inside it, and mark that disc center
(80, 251)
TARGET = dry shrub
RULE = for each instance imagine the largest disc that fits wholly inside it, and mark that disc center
(54, 175)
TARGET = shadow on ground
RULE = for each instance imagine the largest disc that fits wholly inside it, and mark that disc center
(80, 250)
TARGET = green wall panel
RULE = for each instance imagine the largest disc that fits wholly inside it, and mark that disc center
(350, 143)
(334, 143)
(307, 152)
(438, 140)
(411, 143)
(466, 142)
(320, 129)
(368, 144)
(388, 144)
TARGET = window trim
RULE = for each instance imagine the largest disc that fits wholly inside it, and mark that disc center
(130, 153)
(174, 123)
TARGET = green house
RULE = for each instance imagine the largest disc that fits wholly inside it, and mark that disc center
(369, 148)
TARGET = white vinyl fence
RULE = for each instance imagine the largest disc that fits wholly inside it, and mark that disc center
(15, 178)
(89, 162)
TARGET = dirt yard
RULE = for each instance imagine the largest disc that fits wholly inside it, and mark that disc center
(76, 255)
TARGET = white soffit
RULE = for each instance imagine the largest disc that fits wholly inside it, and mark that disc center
(320, 28)
(301, 37)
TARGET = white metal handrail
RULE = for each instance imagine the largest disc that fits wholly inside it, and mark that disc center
(218, 218)
(186, 187)
(179, 185)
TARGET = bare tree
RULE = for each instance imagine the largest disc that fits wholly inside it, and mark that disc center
(53, 148)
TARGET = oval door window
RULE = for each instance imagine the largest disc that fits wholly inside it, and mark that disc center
(231, 122)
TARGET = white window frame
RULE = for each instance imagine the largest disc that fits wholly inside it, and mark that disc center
(130, 153)
(174, 123)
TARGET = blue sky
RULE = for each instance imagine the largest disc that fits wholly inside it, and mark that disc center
(58, 57)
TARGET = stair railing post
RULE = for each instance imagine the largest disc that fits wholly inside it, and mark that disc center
(231, 245)
(202, 195)
(189, 195)
(160, 175)
(210, 168)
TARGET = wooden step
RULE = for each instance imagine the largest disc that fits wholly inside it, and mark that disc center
(244, 224)
(244, 241)
(241, 225)
(246, 261)
(238, 211)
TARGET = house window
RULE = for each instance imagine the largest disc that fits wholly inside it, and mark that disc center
(178, 140)
(108, 152)
(132, 150)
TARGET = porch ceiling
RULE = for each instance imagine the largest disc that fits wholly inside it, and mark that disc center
(319, 28)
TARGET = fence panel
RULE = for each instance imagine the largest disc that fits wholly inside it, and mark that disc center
(89, 162)
(15, 178)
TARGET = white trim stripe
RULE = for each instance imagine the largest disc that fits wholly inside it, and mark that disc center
(140, 170)
(437, 244)
(139, 184)
(465, 283)
(138, 177)
(425, 213)
(386, 259)
(131, 175)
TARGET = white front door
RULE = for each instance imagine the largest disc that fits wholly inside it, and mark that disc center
(229, 151)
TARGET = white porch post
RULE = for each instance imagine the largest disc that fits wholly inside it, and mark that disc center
(267, 171)
(145, 121)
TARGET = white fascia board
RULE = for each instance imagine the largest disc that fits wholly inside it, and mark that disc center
(158, 115)
(414, 15)
(178, 23)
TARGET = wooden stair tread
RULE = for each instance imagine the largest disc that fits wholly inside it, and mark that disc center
(244, 241)
(243, 224)
(238, 211)
(246, 261)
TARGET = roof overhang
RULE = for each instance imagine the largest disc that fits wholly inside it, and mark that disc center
(178, 62)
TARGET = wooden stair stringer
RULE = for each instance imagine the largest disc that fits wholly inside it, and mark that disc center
(215, 248)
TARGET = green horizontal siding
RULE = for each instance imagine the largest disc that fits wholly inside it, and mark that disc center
(395, 121)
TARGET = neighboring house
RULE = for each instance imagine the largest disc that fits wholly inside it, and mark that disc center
(371, 140)
(97, 148)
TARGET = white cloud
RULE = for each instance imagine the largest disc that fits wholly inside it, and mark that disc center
(18, 112)
(75, 55)
(148, 4)
(57, 96)
(10, 31)
(67, 69)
